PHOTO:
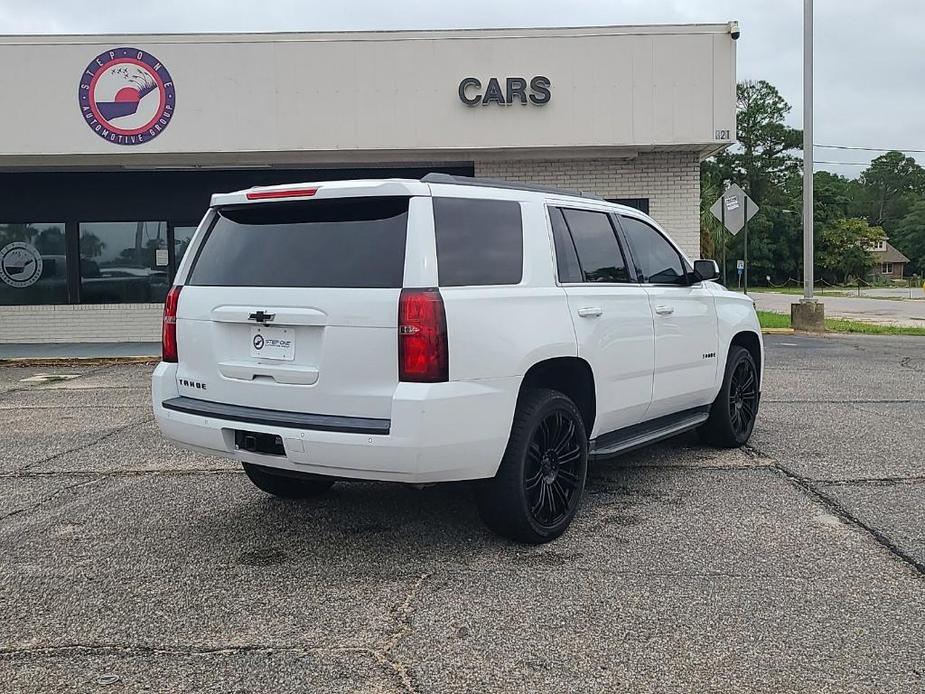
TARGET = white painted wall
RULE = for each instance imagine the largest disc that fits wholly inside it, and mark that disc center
(612, 87)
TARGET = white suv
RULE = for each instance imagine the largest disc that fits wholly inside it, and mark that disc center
(447, 329)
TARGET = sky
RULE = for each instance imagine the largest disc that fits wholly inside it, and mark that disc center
(869, 57)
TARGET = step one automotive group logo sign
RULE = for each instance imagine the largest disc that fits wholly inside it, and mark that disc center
(20, 264)
(127, 96)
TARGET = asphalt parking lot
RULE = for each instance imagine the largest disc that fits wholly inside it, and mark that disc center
(797, 564)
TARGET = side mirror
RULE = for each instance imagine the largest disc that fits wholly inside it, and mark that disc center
(706, 270)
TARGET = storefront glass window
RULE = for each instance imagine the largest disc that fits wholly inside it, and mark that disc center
(33, 264)
(123, 262)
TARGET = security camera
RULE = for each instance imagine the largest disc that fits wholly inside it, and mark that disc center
(734, 30)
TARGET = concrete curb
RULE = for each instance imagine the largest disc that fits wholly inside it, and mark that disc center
(777, 331)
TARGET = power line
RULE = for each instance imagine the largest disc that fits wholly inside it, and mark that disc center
(871, 149)
(843, 163)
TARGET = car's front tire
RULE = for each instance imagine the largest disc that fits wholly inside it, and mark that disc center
(539, 484)
(287, 485)
(732, 416)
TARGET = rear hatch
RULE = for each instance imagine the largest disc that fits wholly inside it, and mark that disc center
(293, 306)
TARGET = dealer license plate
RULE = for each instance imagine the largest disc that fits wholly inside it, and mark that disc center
(273, 343)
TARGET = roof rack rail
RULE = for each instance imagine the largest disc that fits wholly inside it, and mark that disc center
(498, 183)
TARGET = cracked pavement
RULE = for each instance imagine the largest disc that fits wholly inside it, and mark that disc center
(795, 564)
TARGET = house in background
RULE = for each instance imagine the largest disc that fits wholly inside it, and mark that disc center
(888, 261)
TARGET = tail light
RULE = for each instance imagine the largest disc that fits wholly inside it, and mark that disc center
(423, 354)
(169, 332)
(281, 193)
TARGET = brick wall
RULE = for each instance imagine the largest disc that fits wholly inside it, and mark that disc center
(671, 181)
(81, 323)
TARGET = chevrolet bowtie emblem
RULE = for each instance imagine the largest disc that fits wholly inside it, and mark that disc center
(261, 317)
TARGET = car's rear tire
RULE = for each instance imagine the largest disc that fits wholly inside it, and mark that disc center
(733, 414)
(287, 485)
(539, 484)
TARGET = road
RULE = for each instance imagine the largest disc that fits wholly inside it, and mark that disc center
(894, 292)
(908, 313)
(796, 564)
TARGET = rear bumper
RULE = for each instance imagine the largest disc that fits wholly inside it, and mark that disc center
(438, 432)
(272, 418)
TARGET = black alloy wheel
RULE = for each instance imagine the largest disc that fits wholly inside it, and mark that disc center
(733, 414)
(537, 490)
(552, 470)
(743, 398)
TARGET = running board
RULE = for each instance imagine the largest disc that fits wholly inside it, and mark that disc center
(638, 435)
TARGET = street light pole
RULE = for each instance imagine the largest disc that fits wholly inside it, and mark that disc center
(808, 150)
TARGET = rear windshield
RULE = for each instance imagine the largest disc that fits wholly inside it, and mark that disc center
(347, 242)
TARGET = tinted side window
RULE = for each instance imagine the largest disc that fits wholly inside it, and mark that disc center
(656, 259)
(345, 242)
(566, 258)
(597, 247)
(478, 241)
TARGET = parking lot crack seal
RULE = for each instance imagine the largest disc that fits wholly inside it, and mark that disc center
(846, 516)
(877, 413)
(698, 467)
(384, 654)
(89, 444)
(46, 499)
(872, 480)
(53, 650)
(906, 363)
(843, 401)
(64, 407)
(101, 474)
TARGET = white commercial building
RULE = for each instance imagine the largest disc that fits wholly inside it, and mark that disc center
(110, 146)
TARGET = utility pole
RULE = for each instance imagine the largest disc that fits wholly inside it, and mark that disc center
(808, 314)
(808, 279)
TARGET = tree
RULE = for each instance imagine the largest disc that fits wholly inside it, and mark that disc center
(50, 241)
(909, 236)
(833, 198)
(844, 248)
(764, 165)
(891, 184)
(711, 231)
(889, 196)
(90, 245)
(16, 232)
(762, 160)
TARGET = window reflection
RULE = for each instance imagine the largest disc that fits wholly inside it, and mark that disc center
(181, 241)
(123, 262)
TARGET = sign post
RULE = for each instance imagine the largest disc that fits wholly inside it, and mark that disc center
(722, 236)
(745, 226)
(733, 209)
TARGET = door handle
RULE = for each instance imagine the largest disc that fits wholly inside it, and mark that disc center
(590, 311)
(663, 310)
